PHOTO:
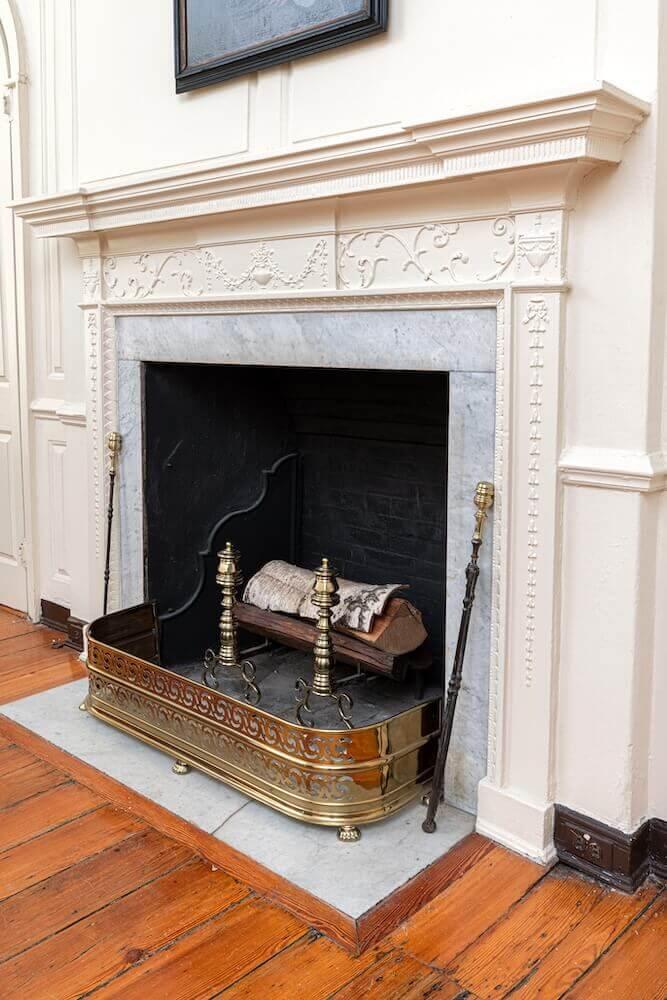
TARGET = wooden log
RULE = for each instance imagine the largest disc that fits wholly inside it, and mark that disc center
(399, 630)
(299, 634)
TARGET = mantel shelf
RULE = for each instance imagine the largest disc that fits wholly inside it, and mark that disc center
(589, 126)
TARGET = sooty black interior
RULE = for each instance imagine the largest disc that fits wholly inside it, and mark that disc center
(291, 464)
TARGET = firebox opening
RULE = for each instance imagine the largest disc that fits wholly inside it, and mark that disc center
(294, 464)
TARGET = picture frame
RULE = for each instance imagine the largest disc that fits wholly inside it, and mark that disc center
(216, 40)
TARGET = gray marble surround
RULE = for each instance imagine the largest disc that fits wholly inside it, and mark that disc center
(459, 341)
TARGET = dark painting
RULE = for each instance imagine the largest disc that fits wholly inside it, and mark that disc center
(217, 39)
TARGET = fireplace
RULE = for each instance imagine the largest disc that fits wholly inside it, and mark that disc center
(317, 410)
(292, 464)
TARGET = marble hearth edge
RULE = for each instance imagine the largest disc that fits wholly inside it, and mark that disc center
(461, 342)
(353, 878)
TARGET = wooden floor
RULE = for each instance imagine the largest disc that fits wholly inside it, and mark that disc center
(95, 901)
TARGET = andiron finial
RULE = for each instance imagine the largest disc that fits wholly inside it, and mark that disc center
(325, 597)
(229, 579)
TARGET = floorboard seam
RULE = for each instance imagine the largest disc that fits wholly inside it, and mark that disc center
(611, 944)
(440, 968)
(163, 948)
(67, 868)
(52, 829)
(309, 933)
(100, 909)
(36, 795)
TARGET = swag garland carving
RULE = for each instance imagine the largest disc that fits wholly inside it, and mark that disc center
(192, 273)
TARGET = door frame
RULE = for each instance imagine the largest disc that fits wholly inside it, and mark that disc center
(14, 103)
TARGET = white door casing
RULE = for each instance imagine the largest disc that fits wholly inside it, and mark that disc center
(13, 576)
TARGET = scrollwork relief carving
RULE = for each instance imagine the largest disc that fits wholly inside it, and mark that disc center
(263, 270)
(193, 273)
(426, 253)
(362, 254)
(503, 228)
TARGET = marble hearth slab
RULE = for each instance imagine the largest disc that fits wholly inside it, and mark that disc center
(352, 878)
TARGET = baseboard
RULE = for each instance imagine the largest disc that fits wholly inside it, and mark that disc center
(512, 821)
(620, 859)
(58, 617)
(659, 848)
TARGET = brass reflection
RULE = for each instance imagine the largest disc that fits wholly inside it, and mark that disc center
(328, 777)
(325, 598)
(229, 579)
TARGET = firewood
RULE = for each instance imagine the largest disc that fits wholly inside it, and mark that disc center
(398, 631)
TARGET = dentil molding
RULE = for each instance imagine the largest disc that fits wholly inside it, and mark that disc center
(589, 126)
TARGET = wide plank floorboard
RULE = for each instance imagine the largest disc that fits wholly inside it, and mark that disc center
(316, 969)
(13, 623)
(400, 977)
(505, 954)
(37, 639)
(36, 815)
(45, 909)
(23, 775)
(213, 956)
(41, 678)
(37, 859)
(635, 966)
(451, 922)
(96, 949)
(604, 922)
(95, 902)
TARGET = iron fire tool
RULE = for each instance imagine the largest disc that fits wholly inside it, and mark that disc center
(483, 503)
(325, 598)
(229, 580)
(114, 444)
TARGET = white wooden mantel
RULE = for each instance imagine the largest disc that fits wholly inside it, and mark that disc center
(465, 212)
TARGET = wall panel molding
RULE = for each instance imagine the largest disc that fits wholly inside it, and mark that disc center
(46, 408)
(614, 469)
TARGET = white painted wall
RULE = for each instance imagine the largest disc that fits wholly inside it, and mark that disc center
(101, 103)
(437, 60)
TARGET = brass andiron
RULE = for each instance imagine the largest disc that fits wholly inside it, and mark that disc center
(483, 502)
(325, 598)
(229, 580)
(114, 444)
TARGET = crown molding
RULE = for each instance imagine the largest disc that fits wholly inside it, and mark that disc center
(587, 127)
(614, 469)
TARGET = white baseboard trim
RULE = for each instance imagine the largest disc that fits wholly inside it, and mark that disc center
(516, 823)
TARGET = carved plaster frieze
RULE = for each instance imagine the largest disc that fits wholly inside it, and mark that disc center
(435, 253)
(525, 247)
(204, 271)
